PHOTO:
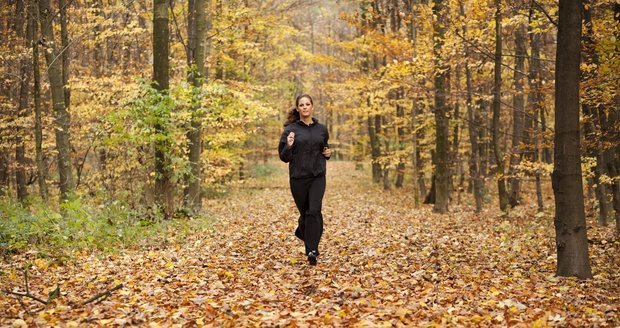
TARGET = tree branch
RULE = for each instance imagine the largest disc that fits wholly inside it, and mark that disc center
(105, 294)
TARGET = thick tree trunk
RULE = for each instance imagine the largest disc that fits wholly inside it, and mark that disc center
(196, 31)
(518, 115)
(497, 94)
(38, 129)
(62, 118)
(161, 78)
(570, 222)
(442, 144)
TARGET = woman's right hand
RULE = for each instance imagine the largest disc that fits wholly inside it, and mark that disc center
(290, 139)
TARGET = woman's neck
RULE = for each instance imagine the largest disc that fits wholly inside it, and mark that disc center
(307, 120)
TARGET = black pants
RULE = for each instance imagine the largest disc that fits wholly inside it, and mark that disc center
(308, 194)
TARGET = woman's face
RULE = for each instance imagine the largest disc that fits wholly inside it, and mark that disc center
(304, 107)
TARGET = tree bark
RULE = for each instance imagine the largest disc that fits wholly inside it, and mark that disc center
(593, 145)
(161, 80)
(38, 129)
(62, 117)
(497, 93)
(196, 31)
(570, 223)
(64, 40)
(535, 101)
(22, 109)
(474, 159)
(442, 169)
(518, 115)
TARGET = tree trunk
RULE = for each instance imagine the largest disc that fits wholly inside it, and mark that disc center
(64, 40)
(38, 129)
(570, 222)
(518, 115)
(22, 109)
(386, 154)
(497, 94)
(62, 118)
(375, 151)
(414, 154)
(474, 159)
(534, 102)
(161, 78)
(400, 114)
(593, 145)
(442, 169)
(196, 31)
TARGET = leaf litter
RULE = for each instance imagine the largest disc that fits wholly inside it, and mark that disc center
(383, 263)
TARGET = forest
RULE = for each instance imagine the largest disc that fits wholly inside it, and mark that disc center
(474, 181)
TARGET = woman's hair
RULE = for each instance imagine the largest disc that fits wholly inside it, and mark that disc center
(293, 115)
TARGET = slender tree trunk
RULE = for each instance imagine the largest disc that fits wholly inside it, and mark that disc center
(442, 169)
(534, 101)
(400, 168)
(386, 154)
(474, 160)
(161, 78)
(38, 129)
(497, 94)
(594, 145)
(375, 151)
(22, 109)
(518, 115)
(62, 118)
(196, 31)
(414, 154)
(570, 222)
(615, 152)
(64, 39)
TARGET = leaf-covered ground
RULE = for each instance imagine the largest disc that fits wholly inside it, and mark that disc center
(382, 263)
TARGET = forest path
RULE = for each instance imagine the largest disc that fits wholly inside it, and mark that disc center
(382, 263)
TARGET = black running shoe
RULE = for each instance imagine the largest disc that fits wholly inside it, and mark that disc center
(312, 257)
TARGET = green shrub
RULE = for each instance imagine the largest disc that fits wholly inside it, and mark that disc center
(76, 225)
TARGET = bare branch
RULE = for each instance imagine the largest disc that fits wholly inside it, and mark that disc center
(105, 294)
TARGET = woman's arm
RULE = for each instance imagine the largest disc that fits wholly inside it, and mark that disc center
(284, 151)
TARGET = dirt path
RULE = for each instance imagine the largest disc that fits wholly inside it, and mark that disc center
(382, 263)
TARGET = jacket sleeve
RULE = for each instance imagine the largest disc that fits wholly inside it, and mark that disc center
(284, 152)
(325, 142)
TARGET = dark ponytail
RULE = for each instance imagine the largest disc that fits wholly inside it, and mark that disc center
(293, 115)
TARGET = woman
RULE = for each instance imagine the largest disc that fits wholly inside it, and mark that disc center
(303, 145)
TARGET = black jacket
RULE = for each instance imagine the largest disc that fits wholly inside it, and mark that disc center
(305, 158)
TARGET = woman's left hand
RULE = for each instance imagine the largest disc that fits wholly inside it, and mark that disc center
(327, 153)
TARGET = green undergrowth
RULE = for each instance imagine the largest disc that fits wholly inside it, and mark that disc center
(83, 225)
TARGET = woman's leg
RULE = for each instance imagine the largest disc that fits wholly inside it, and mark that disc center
(314, 217)
(299, 189)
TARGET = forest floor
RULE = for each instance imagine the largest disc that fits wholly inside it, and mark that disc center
(383, 263)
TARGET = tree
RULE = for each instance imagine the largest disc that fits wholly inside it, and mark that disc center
(36, 76)
(161, 81)
(196, 31)
(442, 169)
(62, 117)
(570, 222)
(497, 93)
(22, 109)
(518, 114)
